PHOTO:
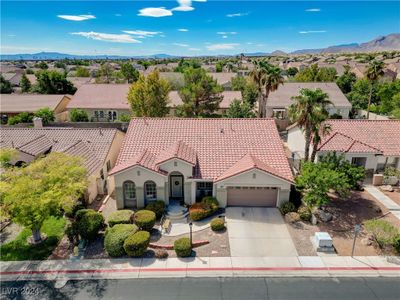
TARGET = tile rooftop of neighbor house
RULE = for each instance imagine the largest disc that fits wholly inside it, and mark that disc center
(223, 77)
(283, 96)
(376, 136)
(16, 103)
(92, 144)
(218, 144)
(108, 96)
(229, 96)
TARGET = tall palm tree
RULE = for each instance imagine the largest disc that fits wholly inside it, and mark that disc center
(319, 131)
(258, 76)
(373, 73)
(309, 111)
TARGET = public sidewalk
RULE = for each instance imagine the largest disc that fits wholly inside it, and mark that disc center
(303, 266)
(392, 206)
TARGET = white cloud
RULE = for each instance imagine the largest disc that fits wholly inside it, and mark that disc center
(155, 12)
(313, 10)
(226, 33)
(180, 45)
(224, 36)
(194, 49)
(11, 35)
(216, 47)
(183, 30)
(237, 15)
(184, 5)
(107, 37)
(142, 33)
(312, 31)
(76, 18)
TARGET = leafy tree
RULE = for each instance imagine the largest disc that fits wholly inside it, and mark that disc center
(309, 112)
(346, 81)
(239, 109)
(148, 96)
(79, 115)
(292, 71)
(124, 117)
(53, 82)
(219, 66)
(129, 72)
(185, 64)
(32, 194)
(201, 94)
(46, 114)
(59, 64)
(23, 117)
(326, 74)
(82, 72)
(388, 94)
(373, 73)
(315, 74)
(359, 95)
(316, 180)
(42, 65)
(239, 83)
(25, 84)
(106, 71)
(145, 64)
(5, 86)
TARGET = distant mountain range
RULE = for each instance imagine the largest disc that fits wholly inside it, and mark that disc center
(383, 43)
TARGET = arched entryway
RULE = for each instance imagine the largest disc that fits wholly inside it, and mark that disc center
(176, 186)
(150, 191)
(129, 191)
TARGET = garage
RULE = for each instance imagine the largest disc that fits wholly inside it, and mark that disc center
(252, 196)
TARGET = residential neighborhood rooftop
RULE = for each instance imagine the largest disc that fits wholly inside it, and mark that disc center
(228, 97)
(16, 103)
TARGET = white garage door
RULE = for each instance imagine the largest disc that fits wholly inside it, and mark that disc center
(252, 196)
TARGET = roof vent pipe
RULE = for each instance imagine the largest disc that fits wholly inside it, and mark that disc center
(37, 122)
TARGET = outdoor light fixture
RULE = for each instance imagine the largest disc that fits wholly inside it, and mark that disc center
(190, 226)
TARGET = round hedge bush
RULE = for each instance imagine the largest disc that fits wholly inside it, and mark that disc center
(304, 213)
(217, 224)
(88, 223)
(122, 216)
(136, 244)
(396, 244)
(182, 247)
(145, 219)
(115, 238)
(287, 207)
(158, 207)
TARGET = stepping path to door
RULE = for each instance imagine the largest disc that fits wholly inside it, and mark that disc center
(392, 206)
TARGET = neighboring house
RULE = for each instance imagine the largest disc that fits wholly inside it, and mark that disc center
(229, 96)
(13, 104)
(98, 147)
(224, 79)
(359, 70)
(372, 144)
(102, 102)
(239, 161)
(279, 101)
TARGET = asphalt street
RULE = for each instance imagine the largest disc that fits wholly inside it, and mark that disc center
(207, 288)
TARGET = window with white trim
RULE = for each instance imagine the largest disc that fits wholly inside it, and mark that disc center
(150, 190)
(129, 190)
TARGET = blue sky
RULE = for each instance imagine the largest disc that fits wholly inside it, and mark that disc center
(187, 27)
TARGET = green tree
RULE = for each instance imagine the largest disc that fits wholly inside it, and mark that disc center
(239, 109)
(219, 66)
(79, 115)
(5, 86)
(388, 94)
(129, 72)
(239, 83)
(250, 94)
(346, 81)
(106, 71)
(53, 82)
(82, 72)
(307, 74)
(326, 74)
(25, 84)
(309, 111)
(201, 94)
(359, 95)
(148, 96)
(42, 65)
(373, 73)
(60, 64)
(316, 180)
(32, 194)
(6, 156)
(185, 64)
(292, 71)
(46, 114)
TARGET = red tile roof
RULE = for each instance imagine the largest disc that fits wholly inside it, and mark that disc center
(376, 136)
(178, 150)
(218, 143)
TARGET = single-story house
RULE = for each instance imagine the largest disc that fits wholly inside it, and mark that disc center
(99, 149)
(241, 162)
(102, 102)
(373, 144)
(229, 96)
(279, 101)
(13, 104)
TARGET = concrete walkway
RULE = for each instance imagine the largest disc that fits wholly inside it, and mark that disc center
(392, 206)
(258, 232)
(63, 270)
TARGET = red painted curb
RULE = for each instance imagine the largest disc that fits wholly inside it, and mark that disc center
(128, 270)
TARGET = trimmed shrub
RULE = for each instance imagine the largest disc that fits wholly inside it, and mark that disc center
(71, 212)
(207, 207)
(305, 213)
(115, 238)
(212, 202)
(182, 247)
(396, 244)
(120, 217)
(136, 244)
(145, 219)
(88, 223)
(158, 207)
(287, 207)
(217, 224)
(384, 232)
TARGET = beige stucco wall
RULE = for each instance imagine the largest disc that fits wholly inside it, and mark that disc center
(62, 106)
(91, 115)
(296, 141)
(177, 165)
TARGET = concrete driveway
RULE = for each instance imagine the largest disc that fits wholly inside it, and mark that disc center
(258, 232)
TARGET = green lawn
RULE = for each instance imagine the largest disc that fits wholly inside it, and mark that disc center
(19, 249)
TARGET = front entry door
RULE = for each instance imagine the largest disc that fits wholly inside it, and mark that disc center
(176, 186)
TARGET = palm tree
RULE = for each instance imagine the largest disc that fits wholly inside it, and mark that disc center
(319, 131)
(373, 73)
(258, 76)
(309, 112)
